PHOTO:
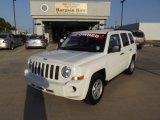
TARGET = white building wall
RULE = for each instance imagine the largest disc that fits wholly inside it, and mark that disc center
(40, 27)
(95, 11)
(151, 30)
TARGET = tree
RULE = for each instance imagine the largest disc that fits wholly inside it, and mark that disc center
(4, 26)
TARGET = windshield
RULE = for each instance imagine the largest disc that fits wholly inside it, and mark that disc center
(3, 36)
(35, 37)
(138, 34)
(85, 42)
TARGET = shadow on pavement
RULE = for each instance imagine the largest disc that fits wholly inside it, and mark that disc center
(148, 71)
(34, 108)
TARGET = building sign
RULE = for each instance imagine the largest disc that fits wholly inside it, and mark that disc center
(64, 8)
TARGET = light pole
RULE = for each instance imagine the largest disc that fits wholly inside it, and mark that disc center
(122, 1)
(14, 13)
(33, 25)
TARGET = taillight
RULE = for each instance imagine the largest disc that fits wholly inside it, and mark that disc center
(5, 41)
(42, 41)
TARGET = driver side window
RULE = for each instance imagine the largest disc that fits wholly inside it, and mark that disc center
(114, 41)
(10, 36)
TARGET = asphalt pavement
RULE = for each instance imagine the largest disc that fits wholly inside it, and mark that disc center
(126, 97)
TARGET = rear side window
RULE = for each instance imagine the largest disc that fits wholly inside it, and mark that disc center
(131, 38)
(124, 39)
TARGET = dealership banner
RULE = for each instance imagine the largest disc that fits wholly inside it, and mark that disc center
(65, 8)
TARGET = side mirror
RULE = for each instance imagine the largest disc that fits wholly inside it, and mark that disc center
(115, 48)
(60, 42)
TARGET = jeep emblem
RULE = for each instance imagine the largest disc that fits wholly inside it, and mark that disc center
(44, 58)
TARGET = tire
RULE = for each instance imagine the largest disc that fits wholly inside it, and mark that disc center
(12, 46)
(26, 47)
(95, 90)
(140, 47)
(131, 67)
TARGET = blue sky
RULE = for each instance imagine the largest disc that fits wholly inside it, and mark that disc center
(23, 18)
(140, 10)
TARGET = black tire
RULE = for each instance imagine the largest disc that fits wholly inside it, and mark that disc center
(140, 47)
(11, 46)
(95, 90)
(26, 47)
(131, 67)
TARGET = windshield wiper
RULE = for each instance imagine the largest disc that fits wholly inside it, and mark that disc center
(73, 48)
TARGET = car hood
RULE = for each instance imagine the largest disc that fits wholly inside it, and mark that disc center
(66, 56)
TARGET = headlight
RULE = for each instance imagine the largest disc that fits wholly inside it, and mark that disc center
(66, 71)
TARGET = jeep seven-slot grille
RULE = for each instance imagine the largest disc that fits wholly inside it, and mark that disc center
(44, 70)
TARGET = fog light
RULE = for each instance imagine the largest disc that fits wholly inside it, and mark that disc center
(74, 88)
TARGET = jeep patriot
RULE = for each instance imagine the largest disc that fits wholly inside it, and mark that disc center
(82, 64)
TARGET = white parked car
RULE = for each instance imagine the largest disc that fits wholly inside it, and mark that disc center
(83, 63)
(9, 41)
(139, 38)
(36, 41)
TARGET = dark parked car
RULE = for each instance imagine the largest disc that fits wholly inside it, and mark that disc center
(19, 39)
(23, 38)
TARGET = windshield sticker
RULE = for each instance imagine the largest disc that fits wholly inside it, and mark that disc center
(98, 36)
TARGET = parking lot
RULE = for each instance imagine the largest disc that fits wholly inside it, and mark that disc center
(134, 97)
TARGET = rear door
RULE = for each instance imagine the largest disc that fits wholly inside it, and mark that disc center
(126, 49)
(12, 39)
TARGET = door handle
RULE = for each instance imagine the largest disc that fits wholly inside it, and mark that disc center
(122, 53)
(130, 50)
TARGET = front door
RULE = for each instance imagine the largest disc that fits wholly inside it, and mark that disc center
(114, 59)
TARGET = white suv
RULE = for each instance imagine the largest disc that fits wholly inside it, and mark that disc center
(79, 68)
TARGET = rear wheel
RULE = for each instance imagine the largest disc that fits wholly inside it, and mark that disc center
(95, 90)
(12, 46)
(131, 67)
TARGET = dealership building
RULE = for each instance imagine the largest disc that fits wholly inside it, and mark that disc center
(55, 18)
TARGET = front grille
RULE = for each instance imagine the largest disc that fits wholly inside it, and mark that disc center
(44, 69)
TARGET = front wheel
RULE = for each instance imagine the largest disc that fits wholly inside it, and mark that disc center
(95, 90)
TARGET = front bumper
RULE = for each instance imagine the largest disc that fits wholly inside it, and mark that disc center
(72, 89)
